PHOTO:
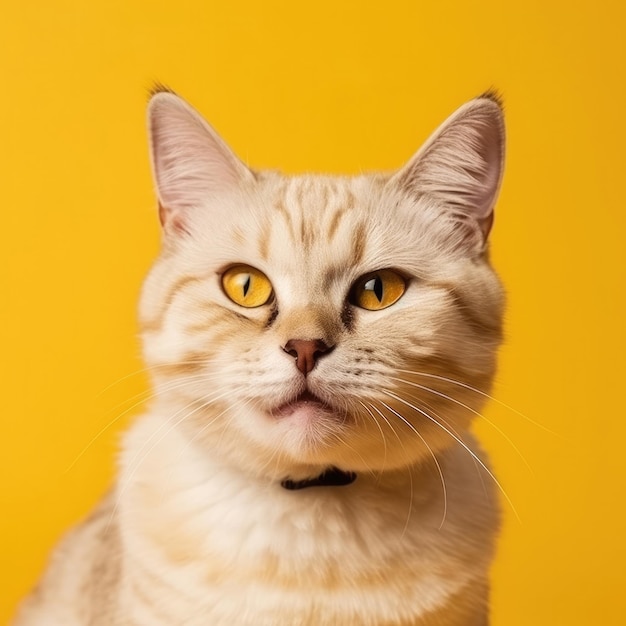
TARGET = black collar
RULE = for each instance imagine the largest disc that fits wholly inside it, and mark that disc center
(332, 477)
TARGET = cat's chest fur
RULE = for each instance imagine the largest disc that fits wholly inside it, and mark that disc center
(230, 550)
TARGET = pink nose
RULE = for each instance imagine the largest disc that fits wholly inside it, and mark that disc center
(306, 352)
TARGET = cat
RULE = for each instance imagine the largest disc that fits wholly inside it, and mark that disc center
(318, 347)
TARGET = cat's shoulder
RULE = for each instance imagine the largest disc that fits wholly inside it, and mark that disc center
(83, 573)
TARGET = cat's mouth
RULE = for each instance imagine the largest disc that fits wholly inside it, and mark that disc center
(304, 401)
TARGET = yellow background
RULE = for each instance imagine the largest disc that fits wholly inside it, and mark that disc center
(343, 87)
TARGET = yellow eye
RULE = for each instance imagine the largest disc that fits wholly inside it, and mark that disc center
(378, 290)
(246, 286)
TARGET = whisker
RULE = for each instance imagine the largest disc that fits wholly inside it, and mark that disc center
(463, 444)
(204, 401)
(136, 461)
(148, 395)
(469, 408)
(210, 423)
(484, 394)
(382, 433)
(149, 368)
(451, 427)
(122, 379)
(155, 391)
(439, 470)
(277, 452)
(343, 442)
(410, 474)
(102, 431)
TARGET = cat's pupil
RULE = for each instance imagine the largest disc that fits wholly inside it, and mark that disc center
(246, 286)
(375, 285)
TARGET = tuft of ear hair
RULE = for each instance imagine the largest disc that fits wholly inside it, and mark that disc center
(494, 95)
(158, 87)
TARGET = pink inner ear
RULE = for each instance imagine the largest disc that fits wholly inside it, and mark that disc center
(486, 223)
(491, 153)
(460, 166)
(172, 221)
(190, 161)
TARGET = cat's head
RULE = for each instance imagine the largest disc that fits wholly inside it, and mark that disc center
(296, 323)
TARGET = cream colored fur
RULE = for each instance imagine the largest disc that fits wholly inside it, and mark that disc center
(198, 530)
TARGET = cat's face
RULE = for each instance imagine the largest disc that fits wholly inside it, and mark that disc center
(293, 323)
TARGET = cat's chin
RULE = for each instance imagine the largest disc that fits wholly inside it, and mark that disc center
(308, 428)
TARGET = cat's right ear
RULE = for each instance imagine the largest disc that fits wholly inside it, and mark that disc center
(190, 162)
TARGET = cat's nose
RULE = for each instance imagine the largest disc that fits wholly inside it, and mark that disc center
(307, 352)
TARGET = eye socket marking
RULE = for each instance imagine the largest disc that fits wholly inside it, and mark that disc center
(247, 286)
(378, 290)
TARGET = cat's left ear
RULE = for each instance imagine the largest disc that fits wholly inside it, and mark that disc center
(190, 161)
(460, 167)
